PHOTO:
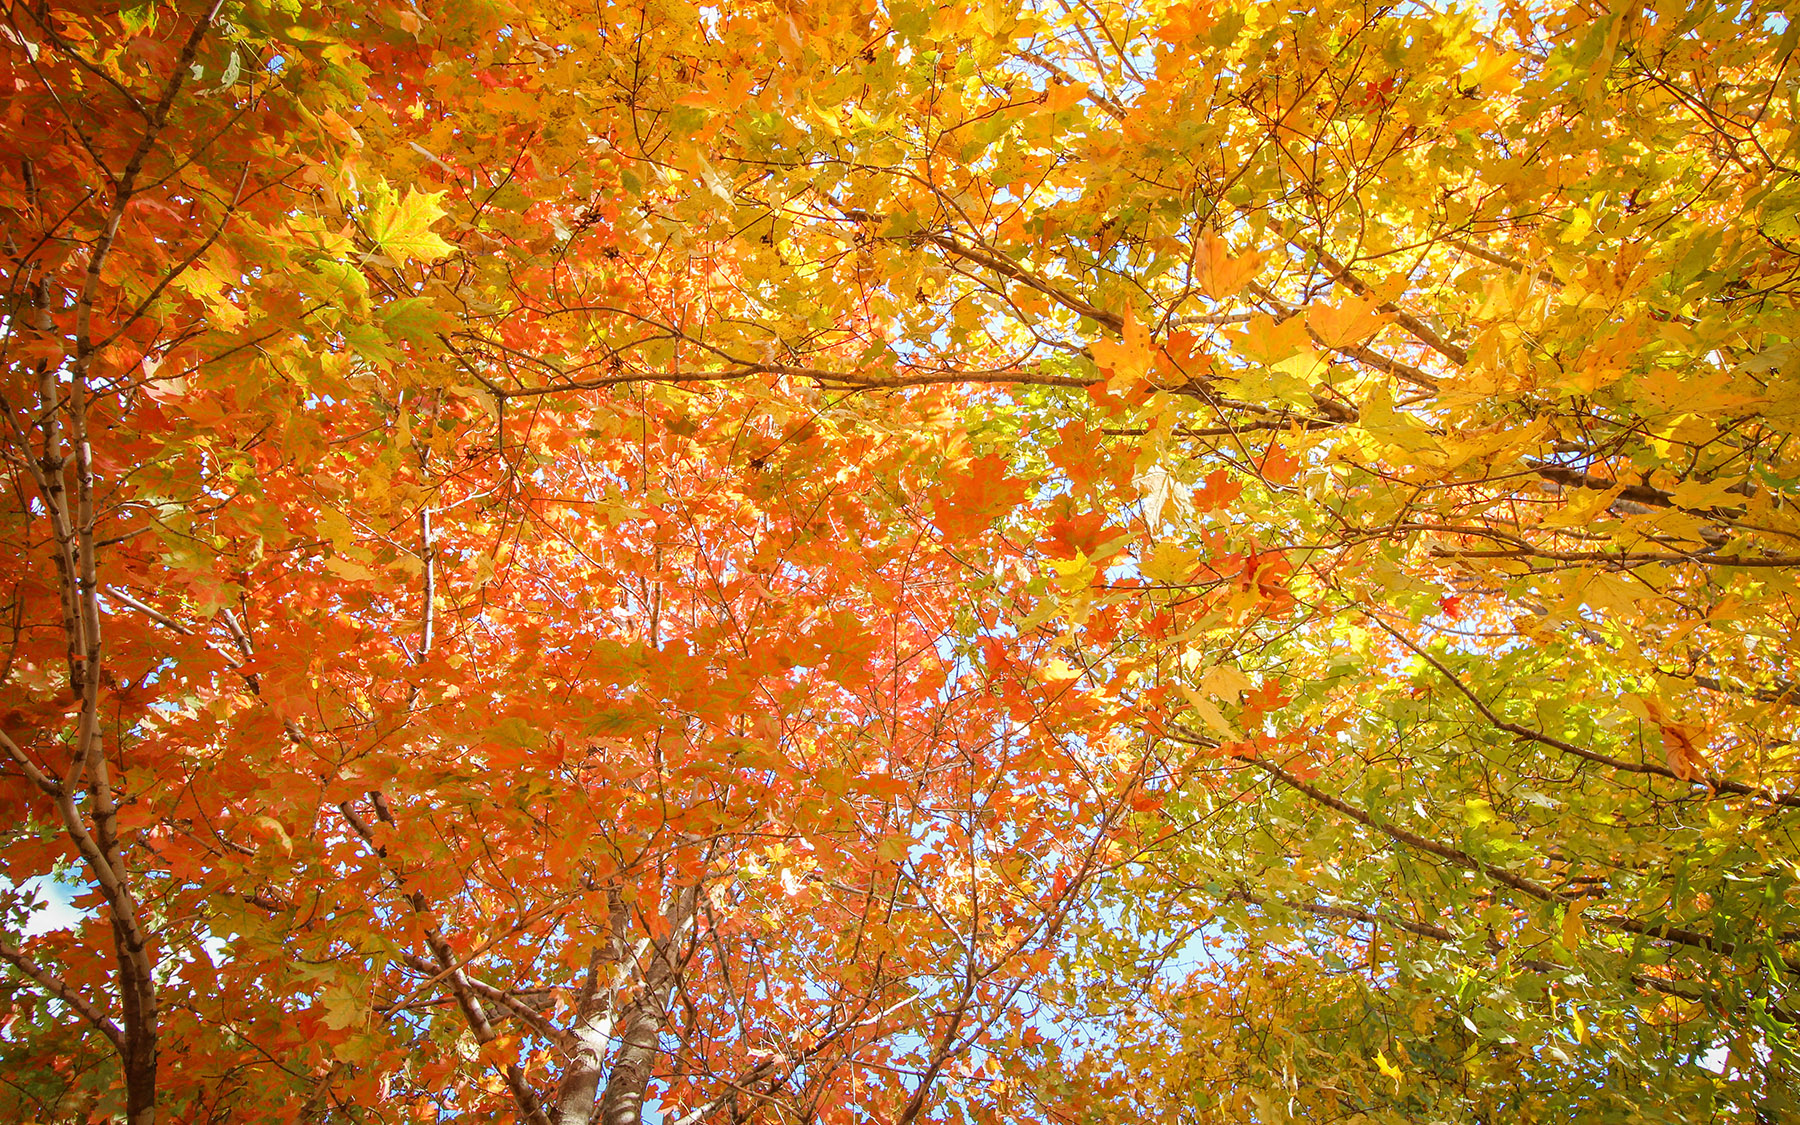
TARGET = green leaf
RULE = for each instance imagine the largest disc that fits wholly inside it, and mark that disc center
(414, 319)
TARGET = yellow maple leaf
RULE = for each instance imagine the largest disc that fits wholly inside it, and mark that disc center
(1127, 360)
(1221, 274)
(1351, 322)
(1573, 929)
(1209, 714)
(1388, 1068)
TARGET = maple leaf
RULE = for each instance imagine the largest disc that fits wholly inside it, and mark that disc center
(1125, 361)
(977, 497)
(1681, 741)
(1351, 322)
(401, 228)
(1074, 534)
(1223, 273)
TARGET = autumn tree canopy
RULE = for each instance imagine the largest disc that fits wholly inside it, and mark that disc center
(900, 562)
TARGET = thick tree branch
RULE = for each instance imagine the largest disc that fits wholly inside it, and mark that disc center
(641, 1021)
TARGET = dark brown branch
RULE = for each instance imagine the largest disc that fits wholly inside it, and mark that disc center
(1004, 267)
(1458, 858)
(1719, 784)
(449, 969)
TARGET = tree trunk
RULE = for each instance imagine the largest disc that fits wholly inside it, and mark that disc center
(623, 1101)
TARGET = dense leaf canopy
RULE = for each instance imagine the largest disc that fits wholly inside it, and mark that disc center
(819, 561)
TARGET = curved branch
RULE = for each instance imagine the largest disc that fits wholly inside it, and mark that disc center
(1458, 858)
(58, 988)
(1718, 784)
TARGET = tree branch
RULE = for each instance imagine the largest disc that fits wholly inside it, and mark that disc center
(1718, 784)
(56, 987)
